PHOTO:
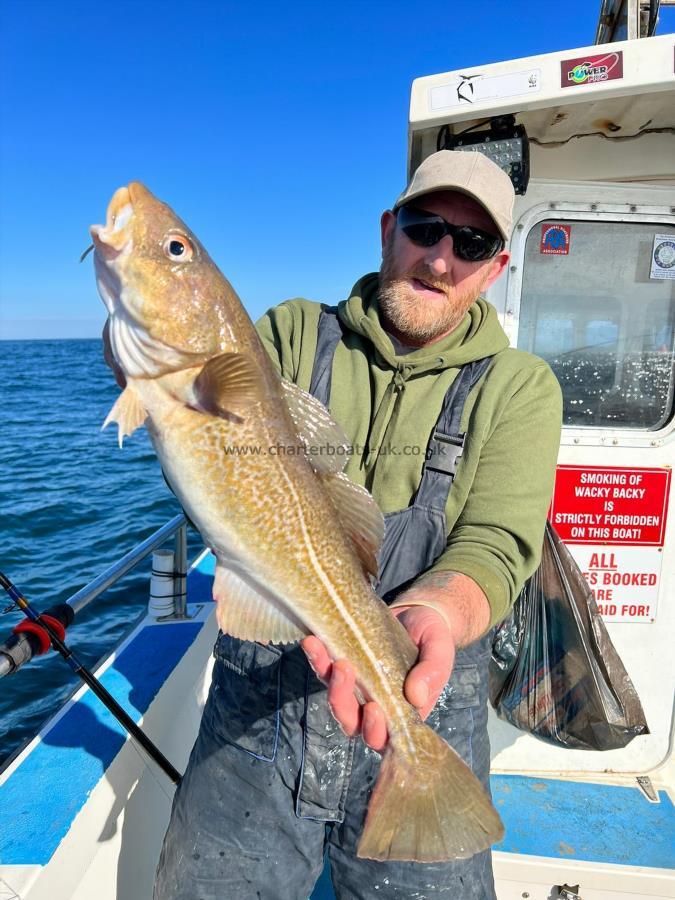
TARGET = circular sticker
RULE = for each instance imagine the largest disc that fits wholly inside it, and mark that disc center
(664, 254)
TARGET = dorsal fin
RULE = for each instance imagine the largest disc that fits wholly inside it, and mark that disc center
(359, 515)
(327, 448)
(228, 382)
(325, 442)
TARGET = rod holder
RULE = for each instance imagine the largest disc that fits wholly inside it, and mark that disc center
(180, 572)
(162, 589)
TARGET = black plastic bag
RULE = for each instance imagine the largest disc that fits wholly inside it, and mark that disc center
(554, 670)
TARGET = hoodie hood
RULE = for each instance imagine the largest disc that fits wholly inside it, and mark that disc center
(479, 334)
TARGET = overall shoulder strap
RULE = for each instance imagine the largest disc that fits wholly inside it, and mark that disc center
(455, 399)
(447, 441)
(328, 337)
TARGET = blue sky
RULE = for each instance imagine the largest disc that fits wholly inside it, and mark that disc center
(276, 130)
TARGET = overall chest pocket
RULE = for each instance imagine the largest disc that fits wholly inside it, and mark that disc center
(455, 715)
(243, 707)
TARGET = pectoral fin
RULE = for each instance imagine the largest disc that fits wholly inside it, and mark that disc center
(128, 412)
(228, 382)
(245, 613)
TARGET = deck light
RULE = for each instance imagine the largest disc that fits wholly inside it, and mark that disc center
(505, 143)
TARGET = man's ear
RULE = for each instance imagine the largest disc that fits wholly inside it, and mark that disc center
(387, 225)
(498, 265)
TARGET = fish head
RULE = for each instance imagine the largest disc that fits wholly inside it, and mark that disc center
(169, 306)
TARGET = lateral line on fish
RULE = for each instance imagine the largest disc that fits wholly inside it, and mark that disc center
(351, 624)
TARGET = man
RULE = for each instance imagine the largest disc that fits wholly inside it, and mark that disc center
(456, 437)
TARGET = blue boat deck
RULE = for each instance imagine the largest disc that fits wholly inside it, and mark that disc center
(543, 817)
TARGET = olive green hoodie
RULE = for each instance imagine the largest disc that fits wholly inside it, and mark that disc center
(389, 404)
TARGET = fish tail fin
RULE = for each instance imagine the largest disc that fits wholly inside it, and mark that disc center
(428, 808)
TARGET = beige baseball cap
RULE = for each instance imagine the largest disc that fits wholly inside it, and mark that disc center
(470, 173)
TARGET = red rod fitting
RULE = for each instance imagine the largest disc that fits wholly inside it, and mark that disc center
(40, 633)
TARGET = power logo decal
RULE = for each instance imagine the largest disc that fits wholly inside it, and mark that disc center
(591, 69)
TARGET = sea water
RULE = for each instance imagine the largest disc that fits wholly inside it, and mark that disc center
(71, 504)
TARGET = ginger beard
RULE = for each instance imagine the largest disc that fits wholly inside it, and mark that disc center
(414, 317)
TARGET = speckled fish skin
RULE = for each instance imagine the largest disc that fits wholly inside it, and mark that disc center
(286, 567)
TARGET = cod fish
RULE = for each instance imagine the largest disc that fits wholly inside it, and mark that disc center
(295, 540)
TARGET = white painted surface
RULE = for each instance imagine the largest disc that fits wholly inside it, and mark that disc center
(647, 67)
(537, 878)
(112, 847)
(647, 653)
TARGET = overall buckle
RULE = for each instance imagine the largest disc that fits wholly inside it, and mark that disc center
(444, 452)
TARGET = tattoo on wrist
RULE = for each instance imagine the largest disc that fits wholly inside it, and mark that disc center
(435, 581)
(466, 608)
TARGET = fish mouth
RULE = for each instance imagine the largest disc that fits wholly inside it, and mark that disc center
(137, 352)
(113, 238)
(113, 243)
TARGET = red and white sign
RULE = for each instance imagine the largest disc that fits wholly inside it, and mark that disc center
(613, 520)
(597, 505)
(624, 580)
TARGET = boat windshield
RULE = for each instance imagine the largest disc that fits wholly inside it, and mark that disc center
(598, 304)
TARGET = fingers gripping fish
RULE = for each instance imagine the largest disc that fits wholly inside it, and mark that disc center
(295, 540)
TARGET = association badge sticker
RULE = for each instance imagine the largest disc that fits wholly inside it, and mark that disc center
(555, 239)
(591, 69)
(663, 257)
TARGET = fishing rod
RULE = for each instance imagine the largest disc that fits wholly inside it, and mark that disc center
(55, 628)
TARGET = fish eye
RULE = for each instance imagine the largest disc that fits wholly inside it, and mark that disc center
(178, 248)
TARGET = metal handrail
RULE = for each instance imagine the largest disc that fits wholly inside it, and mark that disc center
(176, 527)
(130, 560)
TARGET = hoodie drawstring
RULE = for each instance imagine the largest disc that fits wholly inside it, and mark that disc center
(385, 412)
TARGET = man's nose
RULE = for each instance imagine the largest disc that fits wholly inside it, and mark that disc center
(440, 256)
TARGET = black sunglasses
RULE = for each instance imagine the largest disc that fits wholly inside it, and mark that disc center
(426, 229)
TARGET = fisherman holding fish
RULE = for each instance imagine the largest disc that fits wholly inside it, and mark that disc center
(454, 434)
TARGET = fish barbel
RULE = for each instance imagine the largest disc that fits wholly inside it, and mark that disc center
(295, 540)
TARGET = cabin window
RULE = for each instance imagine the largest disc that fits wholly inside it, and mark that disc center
(590, 308)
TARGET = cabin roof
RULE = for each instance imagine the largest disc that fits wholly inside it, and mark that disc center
(615, 90)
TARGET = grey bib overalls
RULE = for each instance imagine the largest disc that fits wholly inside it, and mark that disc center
(272, 781)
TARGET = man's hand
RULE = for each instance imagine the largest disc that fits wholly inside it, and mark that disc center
(422, 687)
(465, 616)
